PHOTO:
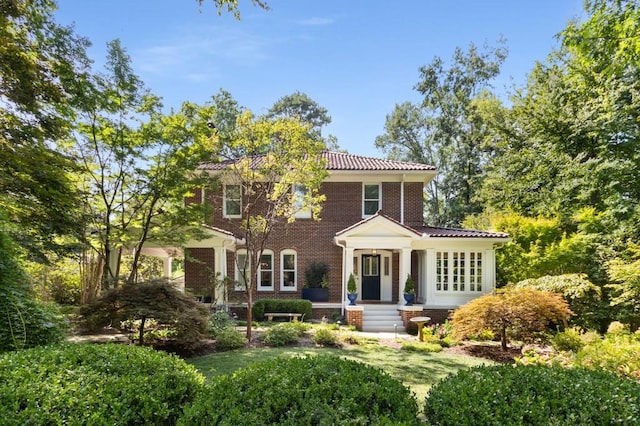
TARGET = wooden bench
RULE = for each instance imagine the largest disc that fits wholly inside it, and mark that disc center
(291, 316)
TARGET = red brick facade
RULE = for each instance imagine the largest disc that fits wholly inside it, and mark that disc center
(313, 241)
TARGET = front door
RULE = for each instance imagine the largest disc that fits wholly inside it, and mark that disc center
(370, 277)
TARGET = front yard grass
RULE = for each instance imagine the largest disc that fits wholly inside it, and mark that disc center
(418, 371)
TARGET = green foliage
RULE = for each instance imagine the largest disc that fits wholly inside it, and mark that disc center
(568, 340)
(315, 274)
(446, 130)
(280, 335)
(413, 346)
(408, 285)
(319, 390)
(301, 328)
(158, 300)
(533, 395)
(584, 297)
(624, 272)
(617, 353)
(351, 284)
(229, 338)
(299, 306)
(441, 334)
(513, 313)
(95, 384)
(302, 107)
(324, 336)
(25, 322)
(219, 321)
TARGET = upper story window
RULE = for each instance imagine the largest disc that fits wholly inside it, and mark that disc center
(232, 201)
(265, 273)
(459, 271)
(299, 192)
(289, 270)
(371, 199)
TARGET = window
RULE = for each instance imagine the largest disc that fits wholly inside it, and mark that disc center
(289, 271)
(232, 201)
(243, 269)
(370, 266)
(371, 200)
(299, 192)
(459, 271)
(386, 266)
(265, 273)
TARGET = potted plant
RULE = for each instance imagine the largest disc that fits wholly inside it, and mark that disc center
(351, 290)
(316, 286)
(409, 291)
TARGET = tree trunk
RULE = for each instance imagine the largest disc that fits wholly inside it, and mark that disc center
(503, 338)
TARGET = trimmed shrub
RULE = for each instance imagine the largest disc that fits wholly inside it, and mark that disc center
(280, 335)
(229, 338)
(323, 336)
(567, 340)
(299, 306)
(321, 390)
(95, 384)
(533, 395)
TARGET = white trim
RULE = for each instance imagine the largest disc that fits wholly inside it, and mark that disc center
(267, 252)
(364, 185)
(224, 202)
(284, 253)
(238, 284)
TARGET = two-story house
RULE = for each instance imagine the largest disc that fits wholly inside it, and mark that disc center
(372, 226)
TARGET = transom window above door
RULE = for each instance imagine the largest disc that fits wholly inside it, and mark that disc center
(371, 199)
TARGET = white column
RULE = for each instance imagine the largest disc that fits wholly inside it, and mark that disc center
(166, 263)
(220, 267)
(488, 271)
(404, 270)
(347, 261)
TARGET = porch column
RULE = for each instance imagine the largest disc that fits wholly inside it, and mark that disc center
(166, 263)
(348, 269)
(404, 270)
(220, 272)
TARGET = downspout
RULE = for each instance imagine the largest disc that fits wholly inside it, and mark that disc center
(402, 200)
(344, 265)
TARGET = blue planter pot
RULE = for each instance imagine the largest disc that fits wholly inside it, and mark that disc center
(409, 298)
(316, 294)
(352, 298)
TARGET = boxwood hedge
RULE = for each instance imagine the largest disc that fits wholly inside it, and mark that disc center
(282, 305)
(533, 395)
(321, 390)
(94, 384)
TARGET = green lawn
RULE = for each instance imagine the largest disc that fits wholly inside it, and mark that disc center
(418, 371)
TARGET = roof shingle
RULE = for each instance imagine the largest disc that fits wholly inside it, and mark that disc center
(338, 161)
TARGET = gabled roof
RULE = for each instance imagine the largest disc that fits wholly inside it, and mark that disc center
(374, 218)
(338, 161)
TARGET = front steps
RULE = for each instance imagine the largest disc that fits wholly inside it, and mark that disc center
(381, 318)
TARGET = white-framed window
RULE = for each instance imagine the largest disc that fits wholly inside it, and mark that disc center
(265, 271)
(299, 192)
(371, 199)
(242, 269)
(288, 270)
(232, 203)
(459, 271)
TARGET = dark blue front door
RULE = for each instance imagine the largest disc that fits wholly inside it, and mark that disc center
(370, 277)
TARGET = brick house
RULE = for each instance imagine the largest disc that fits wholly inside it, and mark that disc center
(372, 226)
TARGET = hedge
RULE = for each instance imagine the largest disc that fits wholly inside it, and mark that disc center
(321, 390)
(299, 306)
(533, 395)
(94, 384)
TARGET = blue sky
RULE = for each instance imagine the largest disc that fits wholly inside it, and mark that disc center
(357, 58)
